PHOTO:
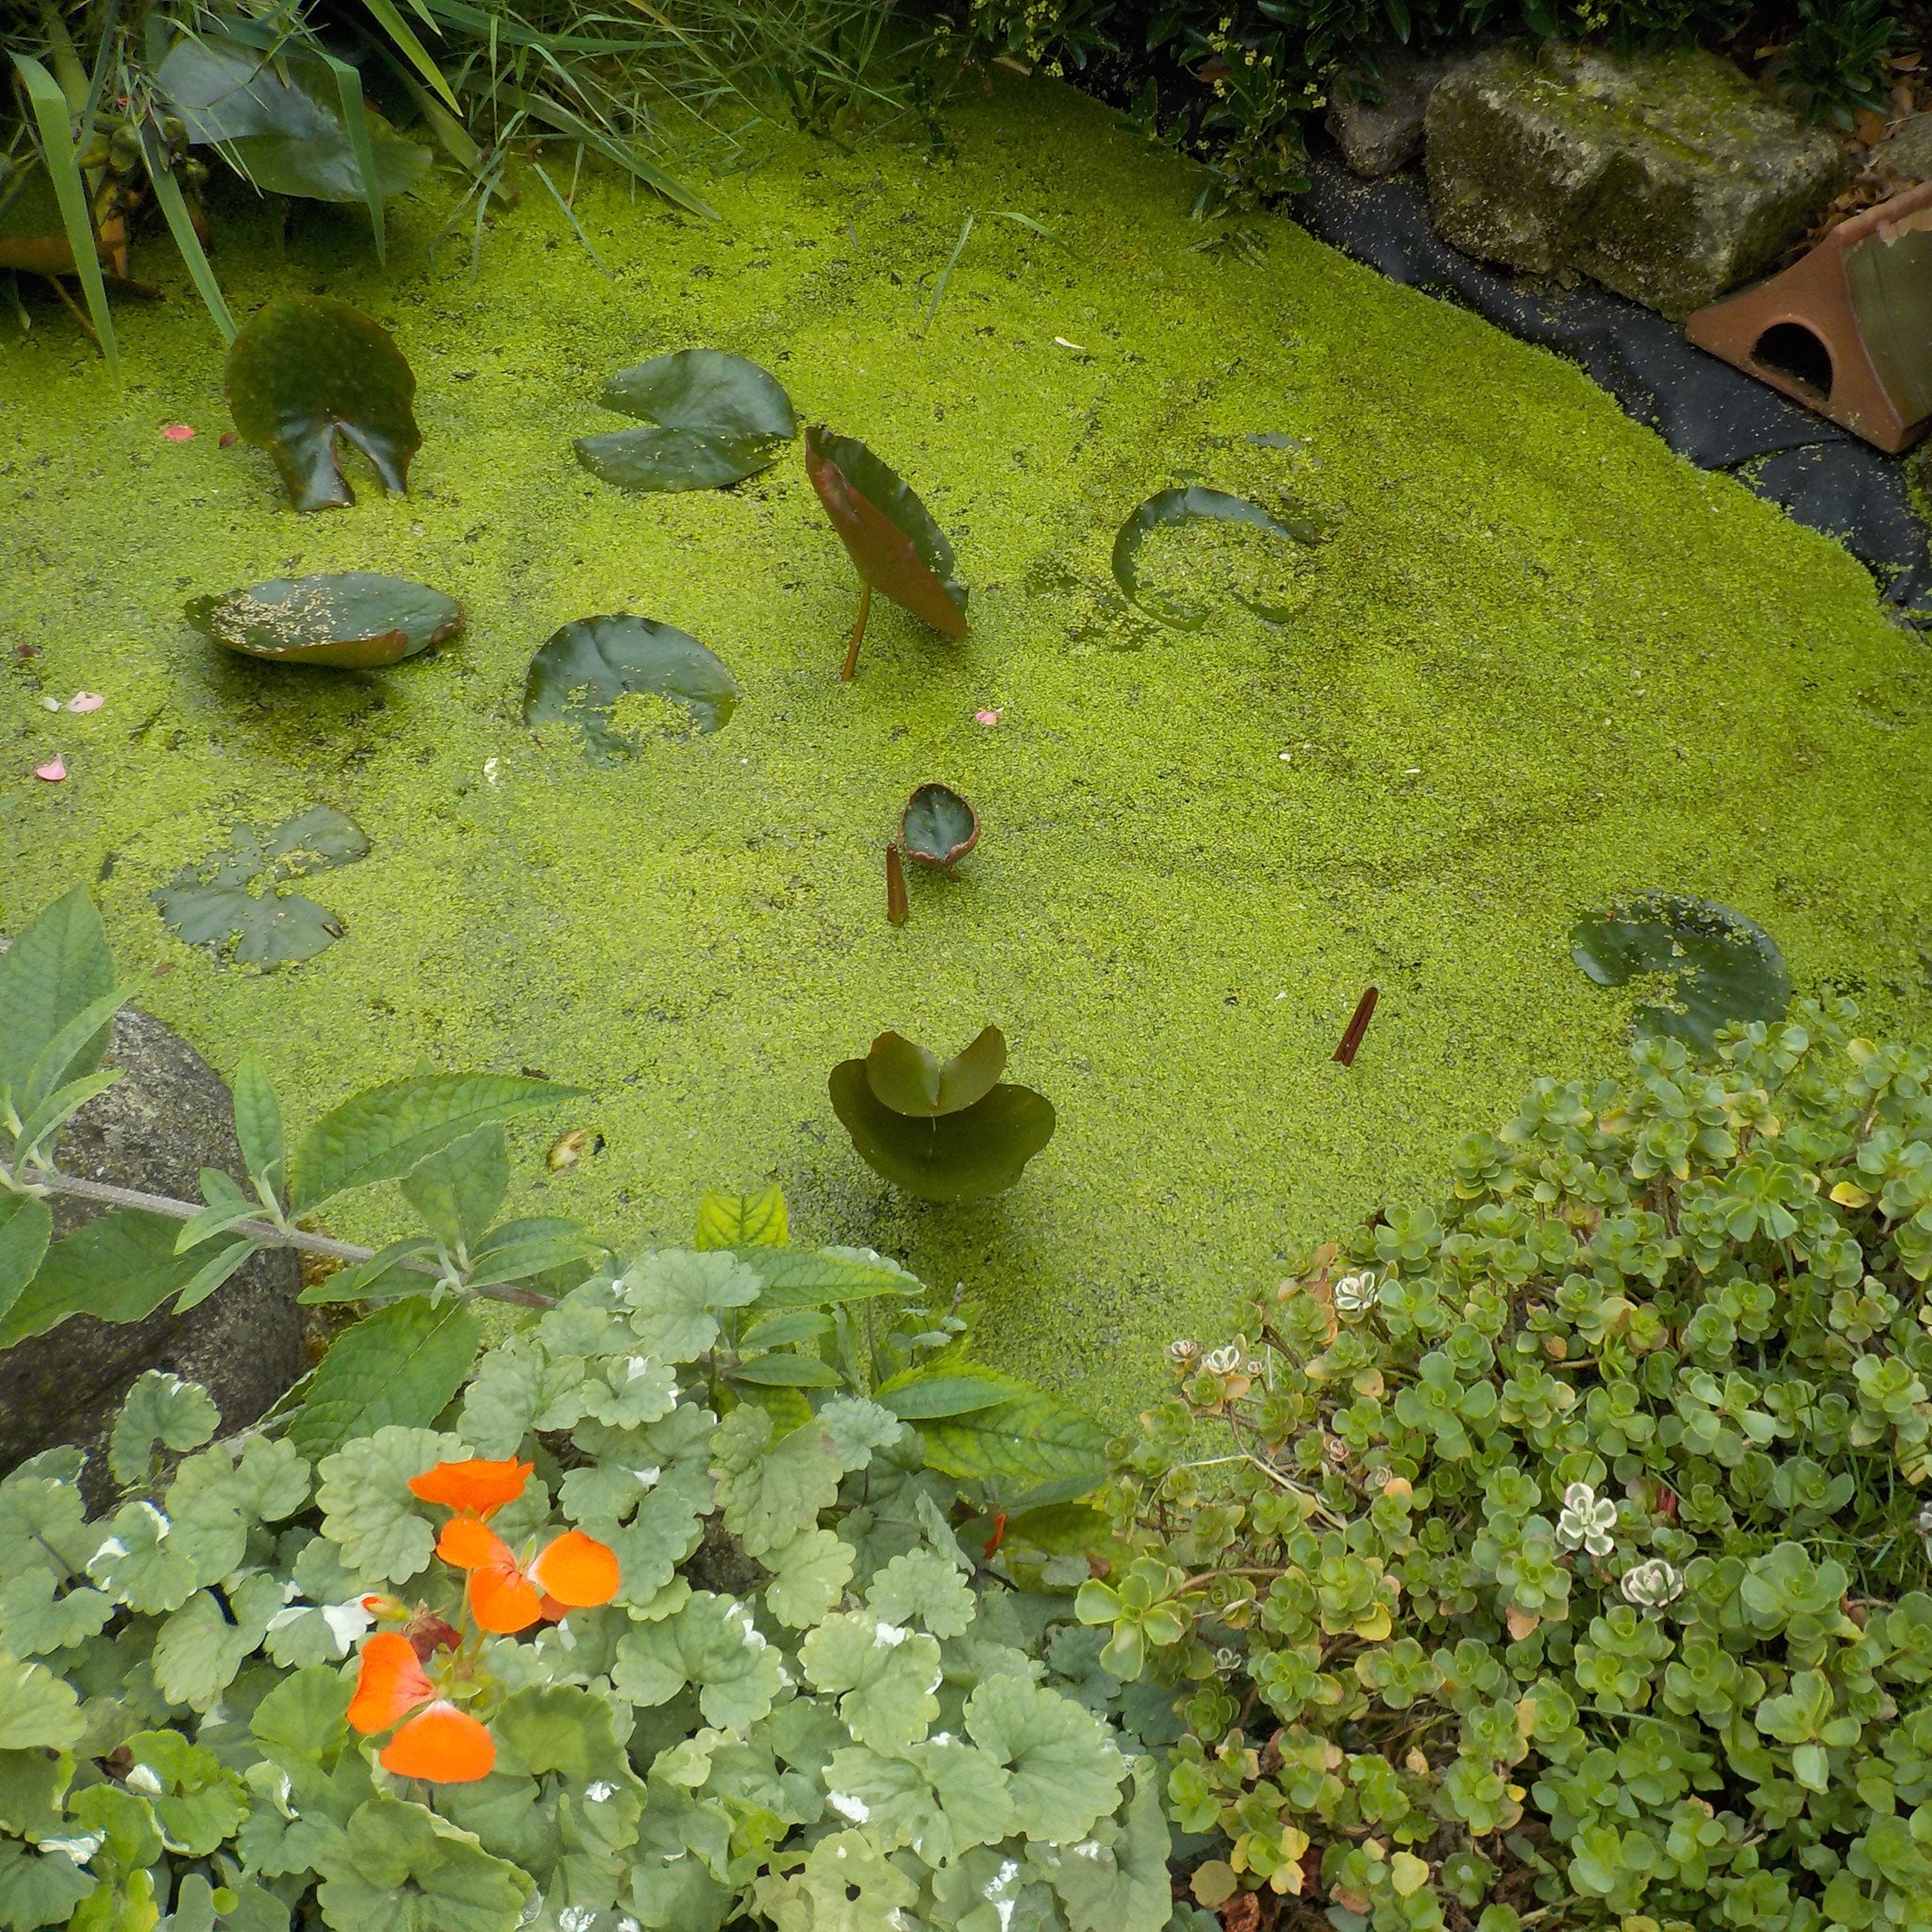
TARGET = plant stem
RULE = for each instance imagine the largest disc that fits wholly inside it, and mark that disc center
(266, 1232)
(858, 636)
(897, 910)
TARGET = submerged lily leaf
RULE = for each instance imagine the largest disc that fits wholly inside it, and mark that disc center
(306, 367)
(981, 1150)
(938, 826)
(587, 669)
(1723, 967)
(233, 902)
(912, 1079)
(352, 619)
(888, 534)
(1195, 504)
(718, 419)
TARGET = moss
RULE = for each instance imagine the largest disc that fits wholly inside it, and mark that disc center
(1541, 660)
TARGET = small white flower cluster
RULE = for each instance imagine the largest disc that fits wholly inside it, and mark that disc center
(1586, 1521)
(1355, 1294)
(1653, 1584)
(1223, 1362)
(1183, 1354)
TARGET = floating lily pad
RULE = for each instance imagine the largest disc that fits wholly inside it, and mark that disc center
(1723, 967)
(351, 619)
(912, 1079)
(590, 672)
(234, 903)
(938, 826)
(717, 420)
(1196, 503)
(307, 368)
(888, 534)
(981, 1150)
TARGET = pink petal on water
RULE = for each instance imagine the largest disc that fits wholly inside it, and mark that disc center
(53, 770)
(986, 717)
(179, 432)
(85, 701)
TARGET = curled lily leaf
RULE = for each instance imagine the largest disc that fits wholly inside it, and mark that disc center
(1195, 504)
(911, 1079)
(938, 826)
(353, 619)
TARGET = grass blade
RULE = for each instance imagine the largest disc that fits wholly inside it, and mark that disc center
(938, 293)
(412, 50)
(579, 129)
(355, 123)
(168, 192)
(570, 215)
(57, 145)
(1007, 215)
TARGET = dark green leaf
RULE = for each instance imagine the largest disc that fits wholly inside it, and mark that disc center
(1033, 1439)
(719, 419)
(400, 1365)
(938, 826)
(213, 1272)
(888, 534)
(919, 1395)
(1721, 966)
(786, 1372)
(352, 619)
(119, 1267)
(909, 1079)
(548, 1245)
(1194, 504)
(26, 1228)
(586, 670)
(308, 367)
(958, 1157)
(58, 966)
(381, 1272)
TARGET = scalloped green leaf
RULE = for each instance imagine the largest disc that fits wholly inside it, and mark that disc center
(354, 619)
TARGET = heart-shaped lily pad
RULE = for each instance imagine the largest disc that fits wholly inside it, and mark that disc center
(233, 902)
(981, 1150)
(351, 619)
(1195, 504)
(614, 678)
(307, 368)
(938, 826)
(717, 420)
(888, 534)
(912, 1079)
(1722, 967)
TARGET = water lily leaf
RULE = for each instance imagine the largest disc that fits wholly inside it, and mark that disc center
(981, 1150)
(233, 902)
(307, 368)
(888, 533)
(1195, 504)
(353, 619)
(585, 672)
(938, 826)
(911, 1079)
(1721, 966)
(717, 420)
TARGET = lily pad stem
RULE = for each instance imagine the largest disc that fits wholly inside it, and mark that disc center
(897, 909)
(858, 636)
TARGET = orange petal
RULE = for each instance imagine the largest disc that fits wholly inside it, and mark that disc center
(467, 1543)
(444, 1744)
(554, 1613)
(392, 1682)
(577, 1570)
(478, 1485)
(503, 1600)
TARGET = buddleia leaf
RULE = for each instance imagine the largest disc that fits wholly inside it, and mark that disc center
(810, 1575)
(1066, 1771)
(162, 1408)
(382, 1531)
(672, 1296)
(772, 1492)
(925, 1586)
(742, 1220)
(712, 1644)
(939, 1798)
(883, 1676)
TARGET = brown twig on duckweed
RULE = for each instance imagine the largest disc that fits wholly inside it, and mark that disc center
(897, 909)
(851, 664)
(1352, 1040)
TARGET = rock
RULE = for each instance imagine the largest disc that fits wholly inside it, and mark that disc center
(1904, 158)
(1386, 137)
(1666, 176)
(167, 1116)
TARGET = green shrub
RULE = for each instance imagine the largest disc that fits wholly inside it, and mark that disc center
(1557, 1551)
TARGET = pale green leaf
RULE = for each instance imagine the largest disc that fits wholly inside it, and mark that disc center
(36, 1617)
(810, 1576)
(857, 1428)
(141, 1564)
(38, 1888)
(402, 1869)
(198, 1650)
(384, 1533)
(799, 1278)
(673, 1295)
(43, 1519)
(883, 1674)
(398, 1366)
(940, 1798)
(772, 1492)
(519, 1387)
(630, 1392)
(38, 1711)
(31, 1785)
(712, 1644)
(925, 1586)
(848, 1885)
(1120, 1884)
(1066, 1770)
(560, 1728)
(215, 1270)
(159, 1409)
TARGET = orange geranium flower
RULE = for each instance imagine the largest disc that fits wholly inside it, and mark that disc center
(479, 1487)
(573, 1571)
(439, 1743)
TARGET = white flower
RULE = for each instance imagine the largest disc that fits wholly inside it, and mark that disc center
(888, 1637)
(1651, 1586)
(1355, 1294)
(1586, 1521)
(600, 1791)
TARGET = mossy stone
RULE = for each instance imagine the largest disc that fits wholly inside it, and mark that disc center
(1666, 176)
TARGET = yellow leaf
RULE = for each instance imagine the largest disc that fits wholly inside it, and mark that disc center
(1213, 1884)
(1408, 1874)
(1848, 1194)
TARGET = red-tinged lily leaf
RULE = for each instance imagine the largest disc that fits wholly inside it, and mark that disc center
(1170, 508)
(891, 537)
(966, 1156)
(912, 1079)
(938, 826)
(716, 418)
(352, 619)
(614, 678)
(307, 368)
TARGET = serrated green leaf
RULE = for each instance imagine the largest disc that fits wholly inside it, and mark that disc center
(31, 1785)
(38, 1711)
(1065, 1769)
(459, 1190)
(711, 1643)
(390, 1130)
(57, 1108)
(160, 1407)
(794, 1278)
(1035, 1438)
(120, 1266)
(37, 1617)
(883, 1676)
(857, 1428)
(784, 1370)
(70, 1057)
(742, 1220)
(198, 1650)
(672, 1296)
(306, 1714)
(940, 1798)
(27, 1229)
(630, 1392)
(401, 1868)
(809, 1575)
(58, 965)
(924, 1585)
(515, 1383)
(43, 1517)
(398, 1366)
(258, 1123)
(772, 1492)
(384, 1533)
(379, 1275)
(139, 1563)
(921, 1395)
(213, 1272)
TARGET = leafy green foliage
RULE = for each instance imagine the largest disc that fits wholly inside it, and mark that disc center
(350, 618)
(716, 418)
(1572, 1551)
(613, 679)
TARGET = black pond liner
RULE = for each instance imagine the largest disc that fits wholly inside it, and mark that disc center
(1716, 416)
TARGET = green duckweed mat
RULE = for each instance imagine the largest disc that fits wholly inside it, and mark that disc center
(1540, 661)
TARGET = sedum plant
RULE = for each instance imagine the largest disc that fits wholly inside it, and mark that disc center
(1558, 1554)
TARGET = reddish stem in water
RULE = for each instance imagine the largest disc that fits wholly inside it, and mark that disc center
(897, 909)
(858, 636)
(1352, 1040)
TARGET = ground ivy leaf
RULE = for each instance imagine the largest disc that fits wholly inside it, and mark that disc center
(628, 1392)
(138, 1564)
(1066, 1770)
(672, 1296)
(519, 1387)
(34, 1620)
(925, 1584)
(562, 1729)
(857, 1428)
(198, 1650)
(940, 1798)
(31, 1785)
(884, 1675)
(38, 1711)
(401, 1868)
(848, 1885)
(38, 1887)
(772, 1492)
(987, 1890)
(810, 1573)
(1121, 1886)
(43, 1524)
(383, 1532)
(162, 1408)
(200, 1800)
(712, 1644)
